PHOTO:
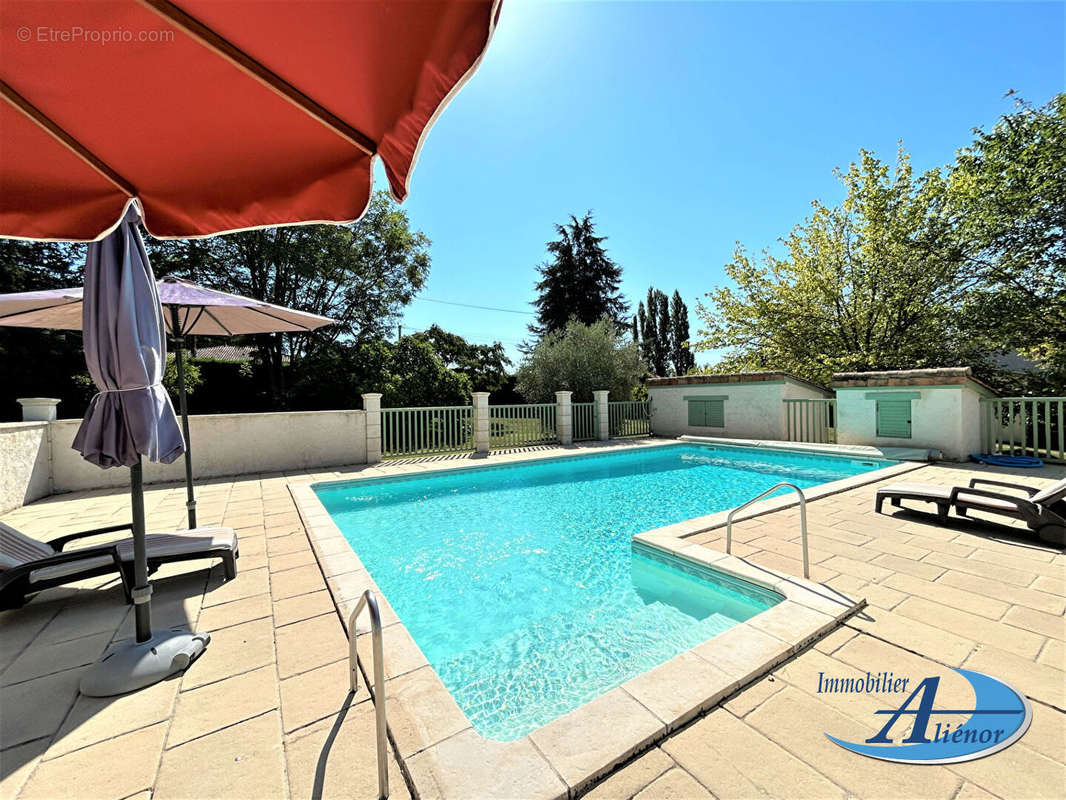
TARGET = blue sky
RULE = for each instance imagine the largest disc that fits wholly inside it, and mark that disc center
(687, 127)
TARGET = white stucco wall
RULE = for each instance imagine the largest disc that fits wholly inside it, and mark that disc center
(24, 463)
(229, 444)
(945, 418)
(752, 410)
(971, 436)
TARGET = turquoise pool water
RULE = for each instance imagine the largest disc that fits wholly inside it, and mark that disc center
(522, 586)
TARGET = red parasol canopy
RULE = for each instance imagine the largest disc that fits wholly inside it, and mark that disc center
(219, 116)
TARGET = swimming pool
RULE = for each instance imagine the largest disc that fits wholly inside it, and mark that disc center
(521, 583)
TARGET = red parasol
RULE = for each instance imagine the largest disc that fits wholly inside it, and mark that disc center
(219, 116)
(212, 116)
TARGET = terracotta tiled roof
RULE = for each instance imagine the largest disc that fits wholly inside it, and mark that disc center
(940, 376)
(227, 352)
(735, 377)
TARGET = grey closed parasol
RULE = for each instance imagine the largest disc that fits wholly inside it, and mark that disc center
(131, 416)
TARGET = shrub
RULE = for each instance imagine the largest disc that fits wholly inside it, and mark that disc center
(581, 358)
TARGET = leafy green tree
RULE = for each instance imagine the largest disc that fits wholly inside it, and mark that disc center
(33, 266)
(335, 375)
(417, 376)
(360, 275)
(40, 362)
(579, 282)
(680, 353)
(875, 283)
(407, 373)
(582, 359)
(1009, 189)
(484, 364)
(193, 380)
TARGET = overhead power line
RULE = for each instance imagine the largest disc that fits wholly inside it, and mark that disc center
(471, 305)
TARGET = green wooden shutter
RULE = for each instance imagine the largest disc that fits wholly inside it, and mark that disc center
(894, 418)
(696, 415)
(714, 414)
(706, 412)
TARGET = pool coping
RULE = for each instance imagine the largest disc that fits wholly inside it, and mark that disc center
(442, 754)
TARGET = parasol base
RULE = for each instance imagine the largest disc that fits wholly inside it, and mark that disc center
(133, 666)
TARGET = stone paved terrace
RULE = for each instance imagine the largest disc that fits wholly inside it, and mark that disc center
(266, 712)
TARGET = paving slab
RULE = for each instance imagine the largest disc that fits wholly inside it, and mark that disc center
(421, 712)
(115, 768)
(241, 762)
(95, 719)
(467, 766)
(587, 742)
(311, 643)
(36, 708)
(317, 694)
(796, 722)
(16, 764)
(679, 689)
(232, 651)
(633, 777)
(218, 705)
(732, 759)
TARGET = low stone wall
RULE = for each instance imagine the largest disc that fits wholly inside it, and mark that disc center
(25, 463)
(37, 458)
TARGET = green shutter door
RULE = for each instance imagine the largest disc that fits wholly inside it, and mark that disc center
(714, 414)
(696, 415)
(894, 418)
(706, 412)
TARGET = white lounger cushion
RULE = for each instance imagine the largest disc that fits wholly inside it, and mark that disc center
(930, 490)
(160, 545)
(977, 501)
(1052, 494)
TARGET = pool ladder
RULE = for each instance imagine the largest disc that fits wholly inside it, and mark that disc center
(369, 601)
(803, 521)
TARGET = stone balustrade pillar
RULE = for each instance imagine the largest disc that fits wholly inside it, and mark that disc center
(38, 409)
(372, 407)
(603, 426)
(481, 422)
(564, 419)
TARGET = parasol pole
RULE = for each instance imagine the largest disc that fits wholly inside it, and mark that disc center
(142, 590)
(179, 343)
(129, 666)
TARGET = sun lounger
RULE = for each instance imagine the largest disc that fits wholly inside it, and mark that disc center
(1043, 510)
(28, 565)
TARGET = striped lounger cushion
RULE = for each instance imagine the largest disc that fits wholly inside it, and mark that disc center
(16, 548)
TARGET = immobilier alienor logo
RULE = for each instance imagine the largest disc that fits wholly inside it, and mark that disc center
(920, 730)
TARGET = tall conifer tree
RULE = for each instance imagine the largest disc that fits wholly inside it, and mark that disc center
(579, 282)
(680, 353)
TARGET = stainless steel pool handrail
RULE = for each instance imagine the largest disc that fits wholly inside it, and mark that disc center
(803, 521)
(370, 602)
